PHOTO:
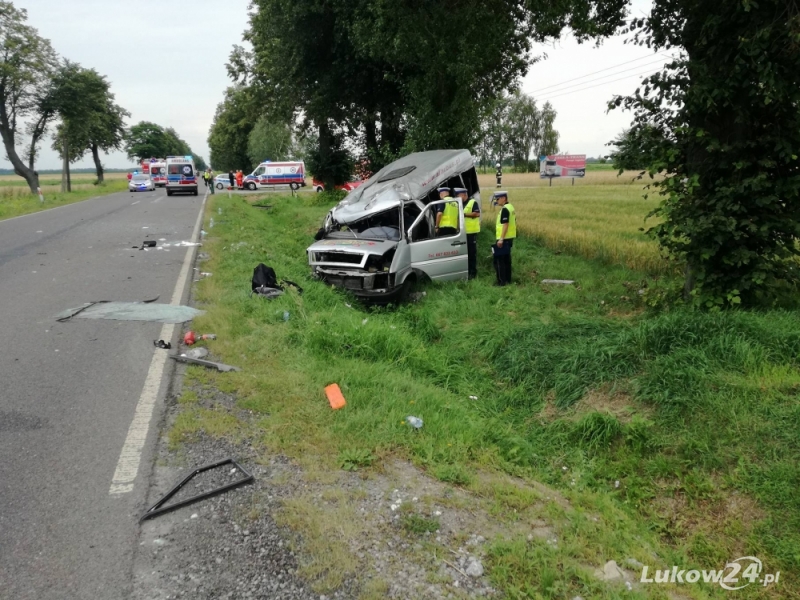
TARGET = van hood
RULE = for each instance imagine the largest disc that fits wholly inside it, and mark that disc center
(356, 246)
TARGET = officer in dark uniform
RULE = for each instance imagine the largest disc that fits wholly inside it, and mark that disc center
(506, 232)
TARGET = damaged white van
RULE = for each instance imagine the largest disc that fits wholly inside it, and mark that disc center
(381, 239)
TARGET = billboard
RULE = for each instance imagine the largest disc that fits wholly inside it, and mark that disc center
(562, 165)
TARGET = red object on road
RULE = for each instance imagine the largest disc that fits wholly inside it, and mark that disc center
(188, 339)
(191, 337)
(129, 176)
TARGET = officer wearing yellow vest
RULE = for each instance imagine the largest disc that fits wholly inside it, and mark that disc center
(446, 215)
(506, 231)
(472, 223)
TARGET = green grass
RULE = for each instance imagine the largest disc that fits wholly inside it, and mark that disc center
(15, 202)
(672, 432)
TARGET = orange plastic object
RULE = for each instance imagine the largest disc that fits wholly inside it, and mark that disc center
(335, 396)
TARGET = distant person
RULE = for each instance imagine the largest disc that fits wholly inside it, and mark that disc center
(231, 178)
(205, 177)
(129, 176)
(239, 179)
(211, 180)
(506, 232)
(499, 173)
(472, 223)
(446, 215)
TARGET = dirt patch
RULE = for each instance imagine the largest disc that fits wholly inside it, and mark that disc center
(607, 399)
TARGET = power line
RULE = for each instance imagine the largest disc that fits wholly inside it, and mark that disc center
(534, 92)
(558, 91)
(548, 98)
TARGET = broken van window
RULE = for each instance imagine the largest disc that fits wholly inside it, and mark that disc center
(380, 226)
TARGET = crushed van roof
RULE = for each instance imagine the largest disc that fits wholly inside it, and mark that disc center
(421, 172)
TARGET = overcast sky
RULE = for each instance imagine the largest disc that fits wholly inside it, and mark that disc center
(166, 64)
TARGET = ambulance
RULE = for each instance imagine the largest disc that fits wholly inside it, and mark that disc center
(158, 172)
(181, 175)
(268, 173)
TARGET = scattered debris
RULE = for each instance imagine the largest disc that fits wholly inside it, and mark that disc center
(267, 206)
(191, 337)
(415, 422)
(335, 396)
(474, 568)
(222, 367)
(205, 274)
(148, 244)
(417, 296)
(196, 353)
(286, 315)
(162, 344)
(159, 509)
(132, 311)
(610, 572)
(203, 233)
(559, 281)
(473, 397)
(364, 322)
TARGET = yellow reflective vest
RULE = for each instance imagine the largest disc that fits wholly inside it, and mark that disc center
(512, 223)
(472, 224)
(449, 215)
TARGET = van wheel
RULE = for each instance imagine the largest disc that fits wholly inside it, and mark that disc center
(408, 287)
(220, 186)
(251, 186)
(318, 190)
(294, 187)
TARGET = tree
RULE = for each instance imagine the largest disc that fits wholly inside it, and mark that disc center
(525, 133)
(230, 131)
(199, 162)
(78, 95)
(730, 149)
(175, 145)
(146, 140)
(548, 136)
(269, 140)
(634, 148)
(27, 65)
(389, 74)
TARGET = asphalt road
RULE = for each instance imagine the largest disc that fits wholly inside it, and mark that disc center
(68, 390)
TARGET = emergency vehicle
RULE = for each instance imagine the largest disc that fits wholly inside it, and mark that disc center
(291, 173)
(181, 175)
(158, 172)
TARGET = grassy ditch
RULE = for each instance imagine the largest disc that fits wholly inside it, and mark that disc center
(16, 201)
(673, 436)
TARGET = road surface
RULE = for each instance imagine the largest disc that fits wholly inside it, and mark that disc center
(69, 391)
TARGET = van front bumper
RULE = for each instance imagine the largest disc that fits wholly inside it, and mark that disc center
(360, 283)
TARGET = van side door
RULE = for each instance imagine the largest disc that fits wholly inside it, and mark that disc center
(441, 258)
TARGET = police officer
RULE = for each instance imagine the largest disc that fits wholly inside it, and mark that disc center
(472, 223)
(211, 180)
(506, 232)
(446, 215)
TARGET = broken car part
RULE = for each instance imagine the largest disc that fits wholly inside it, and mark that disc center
(335, 396)
(132, 311)
(162, 344)
(159, 509)
(222, 367)
(558, 281)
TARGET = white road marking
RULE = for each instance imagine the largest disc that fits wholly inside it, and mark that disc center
(131, 455)
(135, 203)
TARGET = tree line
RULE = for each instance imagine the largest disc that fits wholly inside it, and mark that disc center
(44, 94)
(382, 78)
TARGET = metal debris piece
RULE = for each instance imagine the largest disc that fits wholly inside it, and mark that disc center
(148, 244)
(205, 363)
(559, 281)
(162, 344)
(196, 353)
(159, 509)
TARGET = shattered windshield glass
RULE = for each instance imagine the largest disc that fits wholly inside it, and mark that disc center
(379, 226)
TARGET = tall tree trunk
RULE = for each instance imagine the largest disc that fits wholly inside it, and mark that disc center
(97, 164)
(30, 176)
(325, 149)
(65, 183)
